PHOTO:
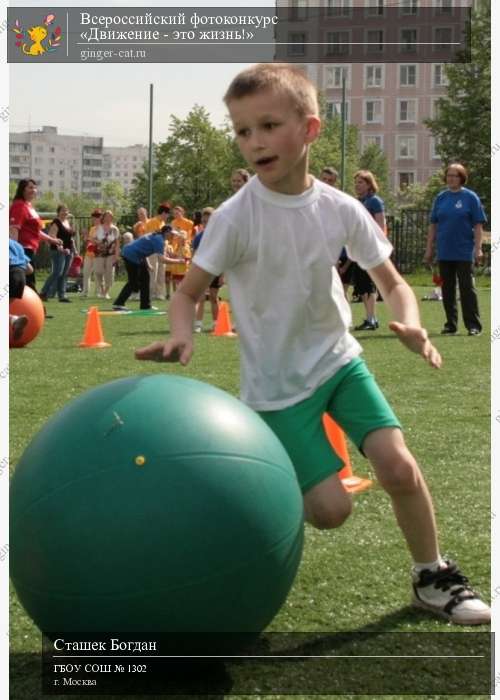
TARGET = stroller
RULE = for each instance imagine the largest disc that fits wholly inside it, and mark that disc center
(75, 276)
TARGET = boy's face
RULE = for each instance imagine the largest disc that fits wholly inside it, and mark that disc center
(273, 139)
(178, 213)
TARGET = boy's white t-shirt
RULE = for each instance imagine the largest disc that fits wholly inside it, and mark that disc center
(278, 254)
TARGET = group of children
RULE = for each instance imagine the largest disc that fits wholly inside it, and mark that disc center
(162, 248)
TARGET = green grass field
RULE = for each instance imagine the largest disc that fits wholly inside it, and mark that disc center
(355, 579)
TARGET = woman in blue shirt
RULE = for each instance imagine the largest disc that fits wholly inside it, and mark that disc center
(456, 229)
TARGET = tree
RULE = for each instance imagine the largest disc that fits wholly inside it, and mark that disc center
(78, 204)
(462, 124)
(326, 150)
(114, 198)
(374, 159)
(139, 193)
(193, 166)
(421, 196)
(47, 202)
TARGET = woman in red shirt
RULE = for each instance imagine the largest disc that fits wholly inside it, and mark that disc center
(25, 225)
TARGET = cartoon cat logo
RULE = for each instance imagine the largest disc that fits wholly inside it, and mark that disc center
(37, 35)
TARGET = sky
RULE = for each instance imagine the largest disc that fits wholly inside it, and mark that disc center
(112, 100)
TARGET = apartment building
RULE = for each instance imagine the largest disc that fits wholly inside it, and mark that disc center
(388, 102)
(121, 164)
(393, 56)
(58, 162)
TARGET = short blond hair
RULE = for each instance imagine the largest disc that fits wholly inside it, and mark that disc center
(281, 78)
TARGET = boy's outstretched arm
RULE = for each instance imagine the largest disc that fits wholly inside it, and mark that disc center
(399, 296)
(179, 347)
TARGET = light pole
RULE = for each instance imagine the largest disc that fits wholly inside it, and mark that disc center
(343, 133)
(150, 174)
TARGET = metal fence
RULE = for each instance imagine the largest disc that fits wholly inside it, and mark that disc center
(407, 233)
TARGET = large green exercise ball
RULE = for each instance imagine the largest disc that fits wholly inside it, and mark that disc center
(154, 504)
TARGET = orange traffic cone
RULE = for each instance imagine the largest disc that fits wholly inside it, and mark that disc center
(223, 325)
(93, 336)
(336, 437)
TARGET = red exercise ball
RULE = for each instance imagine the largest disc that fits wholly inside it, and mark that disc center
(31, 306)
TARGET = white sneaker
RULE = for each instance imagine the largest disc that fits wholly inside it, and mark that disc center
(447, 593)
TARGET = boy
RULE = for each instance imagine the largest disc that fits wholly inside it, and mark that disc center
(19, 265)
(277, 241)
(135, 256)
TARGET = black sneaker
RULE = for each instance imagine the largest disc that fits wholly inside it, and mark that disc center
(447, 593)
(65, 300)
(448, 330)
(117, 307)
(367, 326)
(474, 331)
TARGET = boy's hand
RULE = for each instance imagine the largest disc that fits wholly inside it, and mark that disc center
(428, 257)
(416, 340)
(171, 351)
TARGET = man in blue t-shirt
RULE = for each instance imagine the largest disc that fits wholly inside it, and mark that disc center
(456, 226)
(135, 256)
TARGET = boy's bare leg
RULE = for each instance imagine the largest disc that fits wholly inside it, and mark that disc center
(399, 474)
(438, 585)
(327, 505)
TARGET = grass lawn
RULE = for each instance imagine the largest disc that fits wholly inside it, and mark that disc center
(355, 579)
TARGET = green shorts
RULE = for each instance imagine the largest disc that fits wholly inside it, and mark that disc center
(353, 399)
